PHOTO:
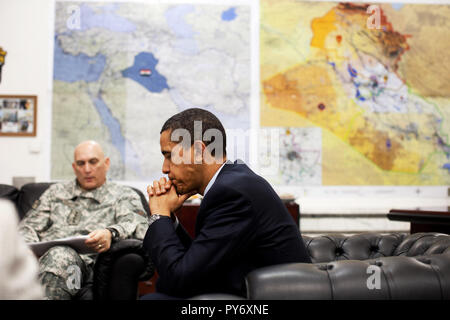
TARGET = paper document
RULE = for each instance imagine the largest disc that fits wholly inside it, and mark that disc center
(76, 242)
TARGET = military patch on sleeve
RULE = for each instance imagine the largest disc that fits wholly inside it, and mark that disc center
(36, 204)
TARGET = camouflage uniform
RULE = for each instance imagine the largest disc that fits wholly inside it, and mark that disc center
(65, 210)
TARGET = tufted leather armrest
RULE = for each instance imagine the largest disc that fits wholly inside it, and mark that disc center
(423, 244)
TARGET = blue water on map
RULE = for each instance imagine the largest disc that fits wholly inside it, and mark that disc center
(107, 19)
(146, 60)
(175, 18)
(72, 68)
(397, 6)
(229, 15)
(112, 123)
(127, 153)
(388, 143)
(351, 71)
(359, 96)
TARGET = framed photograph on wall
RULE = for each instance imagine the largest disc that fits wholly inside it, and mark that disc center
(18, 115)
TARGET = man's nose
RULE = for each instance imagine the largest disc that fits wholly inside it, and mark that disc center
(165, 167)
(87, 167)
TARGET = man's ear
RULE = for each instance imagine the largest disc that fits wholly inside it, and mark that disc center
(199, 147)
(74, 167)
(107, 162)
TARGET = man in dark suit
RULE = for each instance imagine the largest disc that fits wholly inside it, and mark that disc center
(241, 225)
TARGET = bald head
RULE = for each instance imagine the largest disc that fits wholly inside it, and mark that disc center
(89, 146)
(90, 165)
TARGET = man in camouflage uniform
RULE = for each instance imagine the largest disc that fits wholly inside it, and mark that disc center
(88, 205)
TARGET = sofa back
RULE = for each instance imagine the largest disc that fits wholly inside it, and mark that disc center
(28, 195)
(374, 245)
(8, 192)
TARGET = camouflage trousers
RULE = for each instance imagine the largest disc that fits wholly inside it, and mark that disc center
(63, 273)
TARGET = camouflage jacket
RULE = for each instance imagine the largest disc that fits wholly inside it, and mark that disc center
(65, 210)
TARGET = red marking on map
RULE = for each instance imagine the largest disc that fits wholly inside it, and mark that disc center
(145, 72)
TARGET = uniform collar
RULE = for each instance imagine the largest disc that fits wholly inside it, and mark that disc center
(98, 194)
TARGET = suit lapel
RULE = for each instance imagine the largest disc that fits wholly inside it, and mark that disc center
(206, 200)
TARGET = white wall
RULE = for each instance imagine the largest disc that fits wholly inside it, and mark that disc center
(25, 33)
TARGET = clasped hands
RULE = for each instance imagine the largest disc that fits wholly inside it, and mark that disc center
(163, 197)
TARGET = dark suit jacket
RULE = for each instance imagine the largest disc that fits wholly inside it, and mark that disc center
(241, 225)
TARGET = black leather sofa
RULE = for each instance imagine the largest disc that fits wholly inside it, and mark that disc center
(106, 268)
(365, 266)
(372, 266)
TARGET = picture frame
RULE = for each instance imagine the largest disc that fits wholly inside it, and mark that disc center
(18, 115)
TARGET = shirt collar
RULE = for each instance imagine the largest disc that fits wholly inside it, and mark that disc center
(96, 194)
(213, 179)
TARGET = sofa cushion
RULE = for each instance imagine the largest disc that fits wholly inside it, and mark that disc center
(410, 278)
(293, 281)
(441, 266)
